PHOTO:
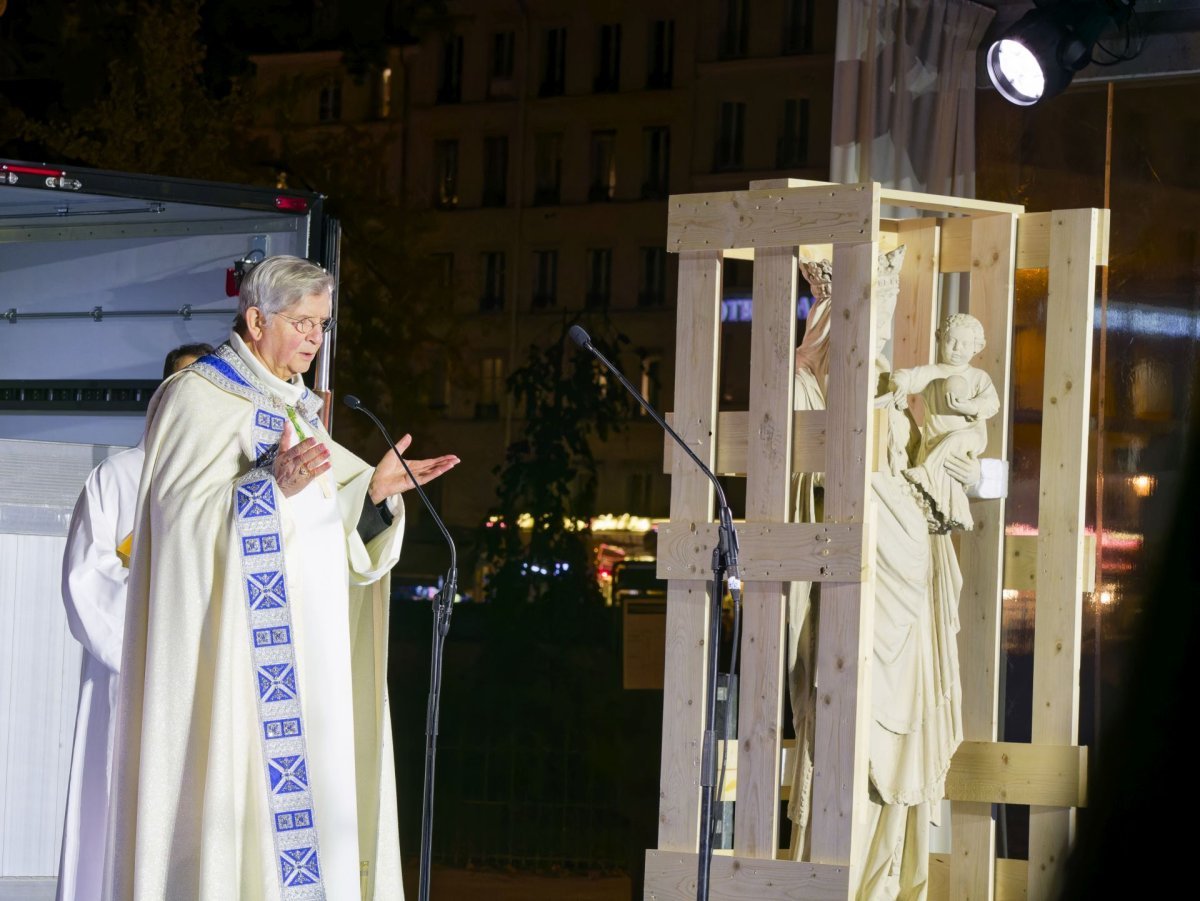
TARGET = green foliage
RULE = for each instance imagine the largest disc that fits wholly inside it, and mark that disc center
(151, 109)
(549, 472)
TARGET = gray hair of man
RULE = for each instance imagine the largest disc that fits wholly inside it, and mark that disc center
(278, 283)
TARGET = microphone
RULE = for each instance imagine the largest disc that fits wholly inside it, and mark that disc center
(441, 625)
(580, 337)
(355, 404)
(724, 559)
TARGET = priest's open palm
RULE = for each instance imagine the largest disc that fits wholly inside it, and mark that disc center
(390, 477)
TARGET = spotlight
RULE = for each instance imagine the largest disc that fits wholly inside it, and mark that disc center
(1039, 55)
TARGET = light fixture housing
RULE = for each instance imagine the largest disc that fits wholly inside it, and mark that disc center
(1038, 56)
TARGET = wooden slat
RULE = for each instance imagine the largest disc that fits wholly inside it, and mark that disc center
(888, 239)
(1009, 879)
(791, 552)
(760, 688)
(956, 246)
(733, 441)
(1021, 562)
(772, 218)
(980, 551)
(808, 442)
(916, 305)
(982, 773)
(1057, 623)
(913, 200)
(696, 354)
(973, 841)
(845, 631)
(1033, 242)
(672, 877)
(1006, 772)
(787, 764)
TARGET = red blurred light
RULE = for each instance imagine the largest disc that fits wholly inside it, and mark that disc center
(291, 204)
(31, 170)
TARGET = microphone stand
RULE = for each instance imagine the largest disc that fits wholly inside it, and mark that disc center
(724, 559)
(443, 606)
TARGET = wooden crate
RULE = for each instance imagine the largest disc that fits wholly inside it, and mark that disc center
(770, 223)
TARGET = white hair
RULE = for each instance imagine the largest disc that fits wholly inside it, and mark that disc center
(278, 283)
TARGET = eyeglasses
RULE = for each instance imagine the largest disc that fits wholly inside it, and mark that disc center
(308, 323)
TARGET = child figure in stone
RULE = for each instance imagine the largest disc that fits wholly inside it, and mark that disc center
(959, 399)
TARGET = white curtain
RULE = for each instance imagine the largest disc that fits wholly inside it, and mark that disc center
(904, 94)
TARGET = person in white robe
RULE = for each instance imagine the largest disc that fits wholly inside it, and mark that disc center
(95, 568)
(254, 758)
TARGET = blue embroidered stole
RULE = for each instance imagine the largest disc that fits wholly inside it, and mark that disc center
(268, 612)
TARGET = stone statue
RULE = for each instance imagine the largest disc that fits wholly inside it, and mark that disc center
(915, 694)
(959, 398)
(811, 372)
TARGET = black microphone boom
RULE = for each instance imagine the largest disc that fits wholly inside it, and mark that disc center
(443, 606)
(724, 558)
(584, 340)
(355, 404)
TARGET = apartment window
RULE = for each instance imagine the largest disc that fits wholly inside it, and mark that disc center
(599, 278)
(652, 278)
(445, 171)
(660, 70)
(325, 17)
(651, 387)
(443, 269)
(545, 279)
(792, 150)
(450, 85)
(554, 62)
(656, 159)
(608, 60)
(734, 26)
(798, 26)
(547, 153)
(638, 489)
(500, 70)
(329, 102)
(495, 171)
(503, 44)
(491, 387)
(603, 184)
(731, 130)
(433, 387)
(491, 298)
(383, 98)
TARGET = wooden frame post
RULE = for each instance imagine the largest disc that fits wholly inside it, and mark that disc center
(1060, 579)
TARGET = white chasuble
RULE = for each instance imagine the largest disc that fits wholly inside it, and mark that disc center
(254, 757)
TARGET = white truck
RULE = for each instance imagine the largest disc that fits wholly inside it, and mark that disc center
(101, 273)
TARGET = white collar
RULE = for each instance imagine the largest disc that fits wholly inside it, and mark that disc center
(289, 392)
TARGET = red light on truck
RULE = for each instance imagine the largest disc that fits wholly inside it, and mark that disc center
(31, 170)
(291, 204)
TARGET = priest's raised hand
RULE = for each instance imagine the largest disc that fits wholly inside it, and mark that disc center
(390, 477)
(298, 464)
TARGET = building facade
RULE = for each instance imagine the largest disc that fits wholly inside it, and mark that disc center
(537, 143)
